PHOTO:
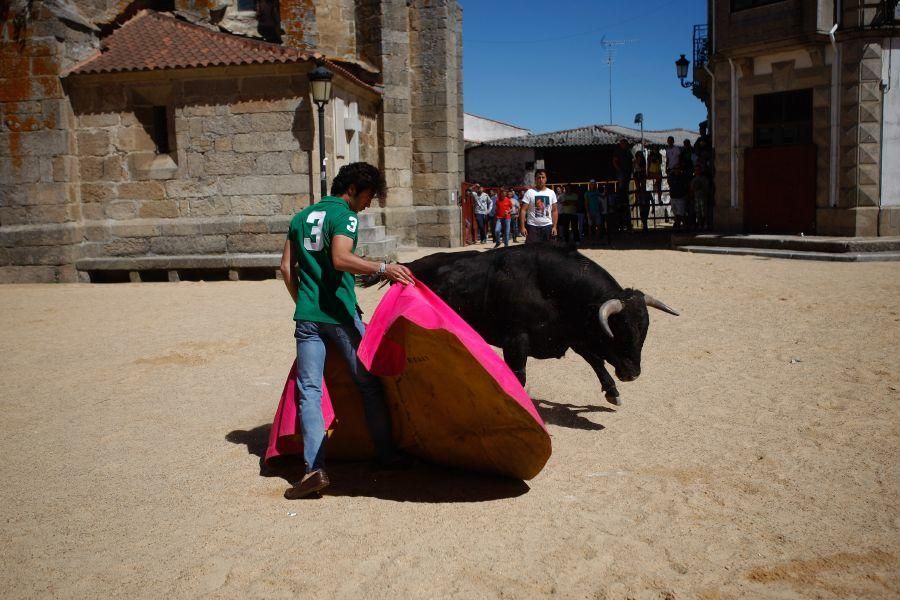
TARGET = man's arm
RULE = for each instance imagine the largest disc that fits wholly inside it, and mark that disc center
(343, 259)
(554, 213)
(287, 270)
(523, 213)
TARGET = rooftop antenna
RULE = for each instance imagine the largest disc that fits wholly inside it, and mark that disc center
(610, 47)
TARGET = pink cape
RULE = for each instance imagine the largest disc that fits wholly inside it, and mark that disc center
(452, 399)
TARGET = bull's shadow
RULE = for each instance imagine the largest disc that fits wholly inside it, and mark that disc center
(423, 483)
(569, 415)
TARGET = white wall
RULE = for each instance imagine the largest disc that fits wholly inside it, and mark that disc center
(479, 129)
(890, 174)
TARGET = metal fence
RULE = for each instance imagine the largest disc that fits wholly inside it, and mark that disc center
(652, 204)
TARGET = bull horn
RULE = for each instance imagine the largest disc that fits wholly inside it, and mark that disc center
(607, 309)
(651, 301)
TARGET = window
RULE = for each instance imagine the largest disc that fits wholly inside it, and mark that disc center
(737, 5)
(160, 131)
(246, 5)
(783, 118)
(157, 123)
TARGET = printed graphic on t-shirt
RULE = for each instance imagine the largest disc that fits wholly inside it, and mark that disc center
(542, 206)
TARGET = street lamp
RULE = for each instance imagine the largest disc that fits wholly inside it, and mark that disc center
(639, 118)
(681, 67)
(320, 82)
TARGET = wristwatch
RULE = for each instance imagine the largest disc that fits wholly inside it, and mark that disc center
(381, 268)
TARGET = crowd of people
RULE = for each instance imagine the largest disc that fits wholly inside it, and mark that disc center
(579, 212)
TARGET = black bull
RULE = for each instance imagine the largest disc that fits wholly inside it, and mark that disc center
(540, 301)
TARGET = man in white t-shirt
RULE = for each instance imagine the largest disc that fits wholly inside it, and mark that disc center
(673, 154)
(538, 214)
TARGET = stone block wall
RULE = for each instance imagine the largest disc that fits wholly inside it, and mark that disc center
(81, 179)
(860, 124)
(859, 158)
(384, 31)
(336, 22)
(39, 202)
(239, 169)
(436, 120)
(496, 166)
(763, 24)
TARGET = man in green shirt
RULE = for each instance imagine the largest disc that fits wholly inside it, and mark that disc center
(318, 265)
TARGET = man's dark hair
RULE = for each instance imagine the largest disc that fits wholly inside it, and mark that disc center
(539, 171)
(361, 174)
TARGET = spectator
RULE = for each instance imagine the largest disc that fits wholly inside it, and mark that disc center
(514, 217)
(539, 213)
(503, 215)
(642, 197)
(492, 215)
(701, 196)
(673, 153)
(679, 190)
(623, 165)
(687, 152)
(592, 204)
(568, 213)
(482, 203)
(654, 175)
(580, 213)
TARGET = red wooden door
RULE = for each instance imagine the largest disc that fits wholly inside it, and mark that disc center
(780, 189)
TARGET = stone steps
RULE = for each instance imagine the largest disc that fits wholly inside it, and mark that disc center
(373, 242)
(809, 243)
(837, 249)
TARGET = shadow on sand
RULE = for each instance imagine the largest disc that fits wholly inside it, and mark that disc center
(423, 483)
(569, 415)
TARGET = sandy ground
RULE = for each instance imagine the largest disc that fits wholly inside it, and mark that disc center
(756, 456)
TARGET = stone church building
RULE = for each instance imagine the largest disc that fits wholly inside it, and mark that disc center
(166, 139)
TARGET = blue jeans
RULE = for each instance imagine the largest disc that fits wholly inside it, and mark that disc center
(311, 337)
(482, 226)
(502, 224)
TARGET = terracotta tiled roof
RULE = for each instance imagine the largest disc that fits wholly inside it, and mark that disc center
(592, 135)
(153, 41)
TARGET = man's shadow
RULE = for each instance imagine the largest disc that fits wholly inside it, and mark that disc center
(569, 415)
(425, 482)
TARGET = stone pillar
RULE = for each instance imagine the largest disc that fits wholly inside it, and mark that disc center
(860, 155)
(39, 196)
(435, 100)
(384, 39)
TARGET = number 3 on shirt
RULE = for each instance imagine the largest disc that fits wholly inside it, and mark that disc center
(315, 241)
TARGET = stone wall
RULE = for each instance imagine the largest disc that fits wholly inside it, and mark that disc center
(39, 201)
(436, 120)
(859, 158)
(80, 179)
(387, 38)
(499, 166)
(860, 126)
(763, 24)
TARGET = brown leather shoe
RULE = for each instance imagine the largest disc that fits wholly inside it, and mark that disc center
(310, 484)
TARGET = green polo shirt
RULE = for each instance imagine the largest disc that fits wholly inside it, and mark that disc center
(324, 294)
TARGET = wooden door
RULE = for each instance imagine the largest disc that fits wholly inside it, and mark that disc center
(780, 189)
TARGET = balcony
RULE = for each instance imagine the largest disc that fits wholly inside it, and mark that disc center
(701, 59)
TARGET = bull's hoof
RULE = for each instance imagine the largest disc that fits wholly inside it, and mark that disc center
(617, 400)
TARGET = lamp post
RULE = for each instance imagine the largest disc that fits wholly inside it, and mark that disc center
(320, 82)
(639, 118)
(681, 68)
